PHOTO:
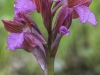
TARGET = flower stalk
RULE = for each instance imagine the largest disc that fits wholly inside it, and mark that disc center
(26, 35)
(50, 60)
(50, 64)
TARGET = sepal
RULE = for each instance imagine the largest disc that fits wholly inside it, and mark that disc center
(38, 5)
(13, 26)
(63, 13)
(46, 14)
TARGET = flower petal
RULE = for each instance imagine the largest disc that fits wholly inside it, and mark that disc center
(26, 6)
(29, 42)
(68, 20)
(63, 30)
(85, 14)
(15, 41)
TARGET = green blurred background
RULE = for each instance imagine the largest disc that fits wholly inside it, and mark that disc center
(78, 54)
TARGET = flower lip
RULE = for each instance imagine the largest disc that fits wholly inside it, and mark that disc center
(64, 31)
(26, 6)
(85, 14)
(15, 41)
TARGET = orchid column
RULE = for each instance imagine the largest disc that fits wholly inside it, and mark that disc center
(26, 35)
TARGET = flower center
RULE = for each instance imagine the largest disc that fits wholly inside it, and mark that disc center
(65, 2)
(27, 29)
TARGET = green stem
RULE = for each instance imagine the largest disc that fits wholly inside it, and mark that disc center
(50, 64)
